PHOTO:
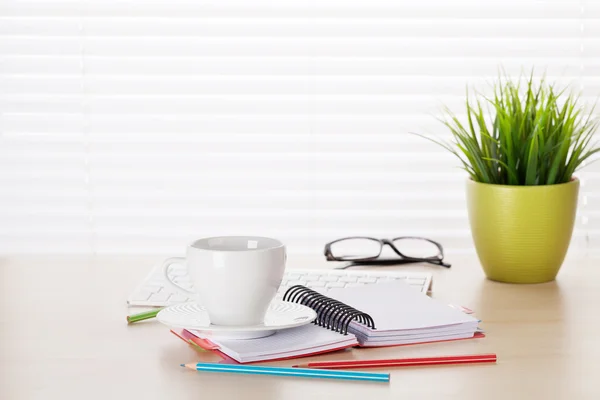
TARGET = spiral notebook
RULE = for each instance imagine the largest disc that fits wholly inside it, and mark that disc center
(386, 314)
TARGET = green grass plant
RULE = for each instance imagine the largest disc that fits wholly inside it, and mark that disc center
(526, 133)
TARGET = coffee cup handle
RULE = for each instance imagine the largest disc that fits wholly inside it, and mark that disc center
(165, 267)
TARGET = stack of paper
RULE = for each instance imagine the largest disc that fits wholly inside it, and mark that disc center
(289, 343)
(403, 315)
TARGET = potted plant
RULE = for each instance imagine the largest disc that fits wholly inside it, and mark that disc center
(521, 147)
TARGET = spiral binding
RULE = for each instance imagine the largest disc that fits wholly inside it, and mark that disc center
(331, 314)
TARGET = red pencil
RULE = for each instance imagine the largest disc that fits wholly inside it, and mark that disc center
(402, 362)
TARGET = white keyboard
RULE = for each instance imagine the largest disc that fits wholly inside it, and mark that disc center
(154, 291)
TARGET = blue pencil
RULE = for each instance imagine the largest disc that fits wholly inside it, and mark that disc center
(302, 372)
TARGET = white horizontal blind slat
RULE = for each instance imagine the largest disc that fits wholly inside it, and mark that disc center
(273, 66)
(308, 27)
(136, 126)
(287, 86)
(270, 47)
(529, 9)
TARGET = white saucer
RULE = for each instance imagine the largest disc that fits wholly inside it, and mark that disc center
(280, 315)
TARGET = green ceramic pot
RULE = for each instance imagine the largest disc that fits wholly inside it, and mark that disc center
(522, 233)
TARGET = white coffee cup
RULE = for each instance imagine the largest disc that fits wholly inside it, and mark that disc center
(235, 277)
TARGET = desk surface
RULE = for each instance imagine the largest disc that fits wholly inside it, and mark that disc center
(63, 336)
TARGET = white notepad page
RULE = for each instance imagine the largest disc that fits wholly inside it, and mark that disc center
(294, 342)
(401, 341)
(395, 306)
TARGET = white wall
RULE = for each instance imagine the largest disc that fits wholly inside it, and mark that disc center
(133, 127)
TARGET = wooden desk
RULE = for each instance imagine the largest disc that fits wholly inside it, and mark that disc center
(63, 336)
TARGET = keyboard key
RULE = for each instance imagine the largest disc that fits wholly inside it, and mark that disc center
(294, 283)
(354, 284)
(329, 278)
(311, 278)
(164, 296)
(142, 295)
(348, 279)
(153, 288)
(177, 298)
(335, 284)
(367, 280)
(317, 284)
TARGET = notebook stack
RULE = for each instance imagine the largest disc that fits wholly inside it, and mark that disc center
(403, 316)
(304, 341)
(386, 314)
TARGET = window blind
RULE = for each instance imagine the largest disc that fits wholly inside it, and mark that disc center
(136, 126)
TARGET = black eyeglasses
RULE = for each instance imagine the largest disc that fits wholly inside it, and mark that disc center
(366, 250)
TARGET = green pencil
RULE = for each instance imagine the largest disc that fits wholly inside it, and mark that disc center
(143, 315)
